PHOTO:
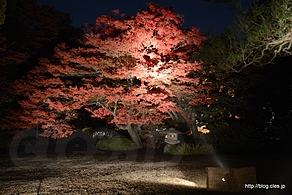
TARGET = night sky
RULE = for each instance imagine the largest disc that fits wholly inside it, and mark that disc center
(204, 15)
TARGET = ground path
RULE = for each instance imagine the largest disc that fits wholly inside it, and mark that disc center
(136, 172)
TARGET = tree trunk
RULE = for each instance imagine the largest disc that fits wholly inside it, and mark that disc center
(195, 132)
(133, 131)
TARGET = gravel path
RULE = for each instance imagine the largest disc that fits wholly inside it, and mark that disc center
(124, 173)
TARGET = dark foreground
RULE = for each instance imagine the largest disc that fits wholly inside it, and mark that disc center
(136, 172)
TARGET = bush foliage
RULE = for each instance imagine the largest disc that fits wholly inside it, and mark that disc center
(116, 143)
(192, 149)
(236, 137)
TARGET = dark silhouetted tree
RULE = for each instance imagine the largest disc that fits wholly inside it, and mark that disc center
(35, 29)
(257, 36)
(2, 11)
(8, 57)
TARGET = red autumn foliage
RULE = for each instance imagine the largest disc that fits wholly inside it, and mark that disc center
(130, 70)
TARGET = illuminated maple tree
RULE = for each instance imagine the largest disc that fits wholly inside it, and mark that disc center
(130, 71)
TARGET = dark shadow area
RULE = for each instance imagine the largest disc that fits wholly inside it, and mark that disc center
(33, 173)
(36, 173)
(76, 146)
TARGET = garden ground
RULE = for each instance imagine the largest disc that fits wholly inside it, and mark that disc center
(135, 172)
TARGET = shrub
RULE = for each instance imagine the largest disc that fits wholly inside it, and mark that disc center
(236, 137)
(116, 143)
(5, 139)
(192, 149)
